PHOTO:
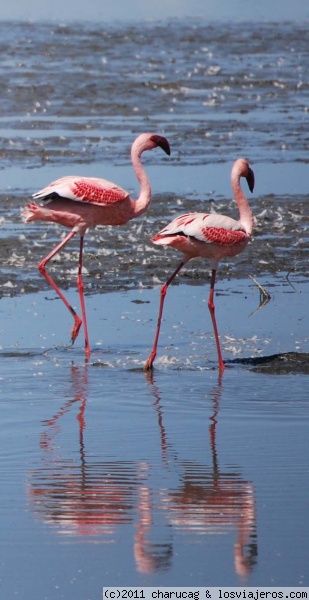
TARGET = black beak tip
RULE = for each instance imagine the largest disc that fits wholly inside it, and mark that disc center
(250, 180)
(161, 141)
(165, 146)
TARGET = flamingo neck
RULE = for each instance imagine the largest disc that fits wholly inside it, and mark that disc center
(143, 201)
(245, 213)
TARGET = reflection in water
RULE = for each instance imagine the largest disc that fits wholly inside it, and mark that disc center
(93, 498)
(77, 393)
(85, 498)
(150, 556)
(167, 452)
(211, 501)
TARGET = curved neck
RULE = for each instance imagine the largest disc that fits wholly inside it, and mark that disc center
(245, 213)
(142, 202)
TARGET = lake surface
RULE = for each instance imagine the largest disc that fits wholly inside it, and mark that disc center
(111, 476)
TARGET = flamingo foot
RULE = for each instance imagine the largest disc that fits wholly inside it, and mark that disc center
(87, 353)
(33, 212)
(221, 366)
(148, 366)
(75, 329)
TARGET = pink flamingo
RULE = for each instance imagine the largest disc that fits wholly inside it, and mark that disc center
(209, 236)
(82, 202)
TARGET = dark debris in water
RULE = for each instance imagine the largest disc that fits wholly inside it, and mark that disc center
(123, 258)
(287, 363)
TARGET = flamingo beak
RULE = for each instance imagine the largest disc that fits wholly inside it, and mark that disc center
(161, 141)
(250, 179)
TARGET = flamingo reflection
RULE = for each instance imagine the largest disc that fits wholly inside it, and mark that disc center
(78, 389)
(212, 501)
(93, 498)
(81, 495)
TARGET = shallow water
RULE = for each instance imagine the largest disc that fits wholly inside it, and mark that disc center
(181, 477)
(150, 480)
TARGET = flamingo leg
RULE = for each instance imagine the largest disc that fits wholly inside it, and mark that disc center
(211, 306)
(80, 287)
(42, 269)
(149, 363)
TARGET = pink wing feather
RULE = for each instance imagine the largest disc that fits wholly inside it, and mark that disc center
(207, 228)
(84, 189)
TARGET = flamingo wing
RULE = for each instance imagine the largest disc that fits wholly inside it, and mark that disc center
(91, 190)
(207, 228)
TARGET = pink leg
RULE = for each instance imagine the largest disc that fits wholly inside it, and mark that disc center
(152, 356)
(42, 269)
(211, 307)
(80, 287)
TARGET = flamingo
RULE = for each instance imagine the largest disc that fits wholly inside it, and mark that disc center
(82, 202)
(211, 236)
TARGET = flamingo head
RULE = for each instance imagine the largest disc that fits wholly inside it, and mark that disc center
(242, 168)
(148, 141)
